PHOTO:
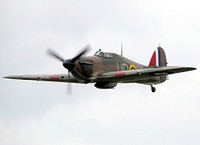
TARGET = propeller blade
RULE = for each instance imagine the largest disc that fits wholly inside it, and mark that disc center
(69, 89)
(55, 55)
(85, 49)
(68, 63)
(69, 86)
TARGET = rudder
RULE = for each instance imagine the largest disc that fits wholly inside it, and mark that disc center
(162, 60)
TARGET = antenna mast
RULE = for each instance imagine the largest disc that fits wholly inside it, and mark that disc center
(121, 49)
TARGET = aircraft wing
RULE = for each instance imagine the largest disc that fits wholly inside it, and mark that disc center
(115, 76)
(46, 77)
(141, 74)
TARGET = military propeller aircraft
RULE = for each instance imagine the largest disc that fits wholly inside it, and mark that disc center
(106, 70)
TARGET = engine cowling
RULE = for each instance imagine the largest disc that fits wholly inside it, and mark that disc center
(104, 85)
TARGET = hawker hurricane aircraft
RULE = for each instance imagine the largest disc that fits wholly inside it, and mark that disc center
(106, 70)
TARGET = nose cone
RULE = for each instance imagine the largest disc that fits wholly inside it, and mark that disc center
(68, 64)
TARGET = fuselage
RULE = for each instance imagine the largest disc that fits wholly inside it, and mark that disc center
(101, 62)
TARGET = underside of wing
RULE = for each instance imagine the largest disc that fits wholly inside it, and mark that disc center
(140, 76)
(46, 77)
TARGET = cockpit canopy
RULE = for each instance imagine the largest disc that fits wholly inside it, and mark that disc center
(100, 53)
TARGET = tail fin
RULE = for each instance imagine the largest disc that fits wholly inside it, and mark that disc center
(158, 58)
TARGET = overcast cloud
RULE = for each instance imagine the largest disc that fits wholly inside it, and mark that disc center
(41, 113)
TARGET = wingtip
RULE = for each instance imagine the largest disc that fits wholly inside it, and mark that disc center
(12, 77)
(189, 68)
(193, 68)
(8, 77)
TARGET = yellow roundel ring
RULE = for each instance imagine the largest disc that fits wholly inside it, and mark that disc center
(132, 66)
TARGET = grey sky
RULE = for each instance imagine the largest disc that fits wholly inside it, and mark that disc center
(41, 113)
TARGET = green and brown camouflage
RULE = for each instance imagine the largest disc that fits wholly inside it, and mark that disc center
(106, 70)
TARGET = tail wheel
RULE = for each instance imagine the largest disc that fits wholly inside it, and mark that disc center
(153, 89)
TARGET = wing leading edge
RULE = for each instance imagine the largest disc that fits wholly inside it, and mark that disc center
(45, 77)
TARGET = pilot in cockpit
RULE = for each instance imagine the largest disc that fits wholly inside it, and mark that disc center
(99, 53)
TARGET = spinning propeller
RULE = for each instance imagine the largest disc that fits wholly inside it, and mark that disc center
(69, 64)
